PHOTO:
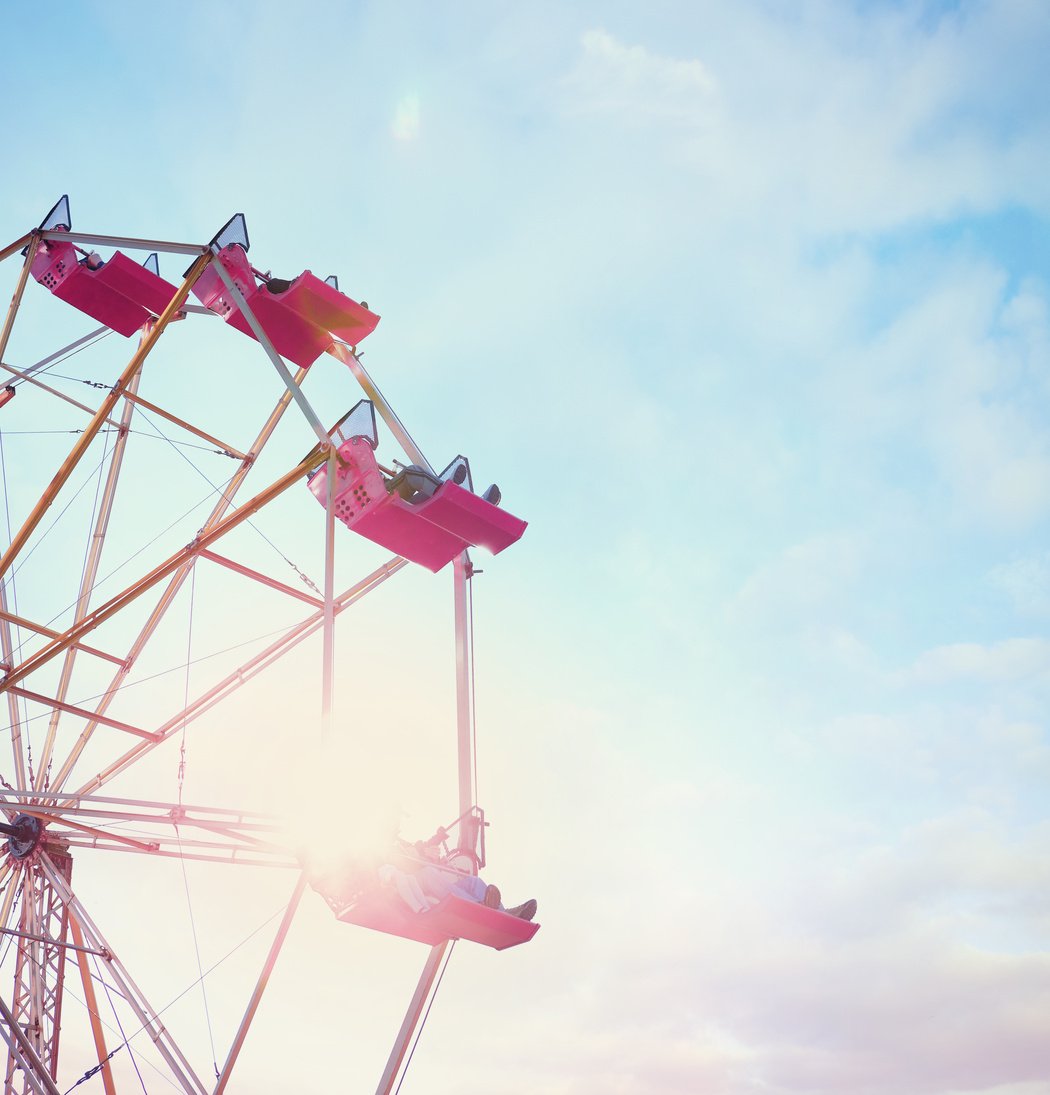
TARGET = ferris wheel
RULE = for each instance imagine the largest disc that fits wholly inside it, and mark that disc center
(145, 461)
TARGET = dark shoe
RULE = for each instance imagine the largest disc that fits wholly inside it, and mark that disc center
(492, 897)
(526, 910)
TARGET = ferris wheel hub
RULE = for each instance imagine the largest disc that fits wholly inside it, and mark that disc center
(25, 834)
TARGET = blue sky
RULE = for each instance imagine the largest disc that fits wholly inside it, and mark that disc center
(745, 307)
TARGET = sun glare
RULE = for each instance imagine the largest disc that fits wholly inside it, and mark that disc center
(405, 126)
(340, 814)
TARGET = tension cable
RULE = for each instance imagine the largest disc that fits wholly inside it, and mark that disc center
(175, 819)
(426, 1016)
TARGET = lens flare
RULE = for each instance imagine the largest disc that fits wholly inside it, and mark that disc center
(405, 126)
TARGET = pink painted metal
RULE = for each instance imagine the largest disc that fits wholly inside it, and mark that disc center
(302, 320)
(478, 522)
(454, 918)
(395, 525)
(210, 290)
(125, 276)
(432, 532)
(119, 293)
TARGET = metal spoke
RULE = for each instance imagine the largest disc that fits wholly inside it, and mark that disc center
(246, 672)
(87, 581)
(7, 651)
(176, 582)
(260, 987)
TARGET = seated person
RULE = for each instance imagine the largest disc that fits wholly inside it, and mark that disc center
(407, 888)
(413, 874)
(438, 881)
(414, 484)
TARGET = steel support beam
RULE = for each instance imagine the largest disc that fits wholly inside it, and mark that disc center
(93, 240)
(272, 583)
(341, 352)
(412, 1017)
(260, 986)
(97, 1033)
(183, 424)
(87, 579)
(464, 704)
(98, 332)
(275, 358)
(246, 672)
(82, 712)
(7, 653)
(328, 626)
(163, 570)
(51, 633)
(18, 374)
(36, 1005)
(12, 248)
(171, 590)
(25, 1057)
(16, 297)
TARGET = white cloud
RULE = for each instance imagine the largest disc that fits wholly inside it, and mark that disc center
(1012, 660)
(804, 583)
(839, 123)
(1026, 582)
(998, 462)
(638, 85)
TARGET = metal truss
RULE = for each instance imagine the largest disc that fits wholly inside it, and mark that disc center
(42, 665)
(36, 1004)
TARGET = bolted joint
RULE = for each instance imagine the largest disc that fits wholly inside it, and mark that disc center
(24, 835)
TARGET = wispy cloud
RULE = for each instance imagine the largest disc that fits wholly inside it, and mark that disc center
(1002, 662)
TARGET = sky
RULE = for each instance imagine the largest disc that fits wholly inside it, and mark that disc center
(745, 307)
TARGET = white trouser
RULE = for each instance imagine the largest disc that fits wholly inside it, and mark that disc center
(440, 883)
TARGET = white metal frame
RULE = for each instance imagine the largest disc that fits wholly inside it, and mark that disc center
(77, 818)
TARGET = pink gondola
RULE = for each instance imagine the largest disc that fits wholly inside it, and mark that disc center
(301, 317)
(430, 525)
(119, 293)
(454, 918)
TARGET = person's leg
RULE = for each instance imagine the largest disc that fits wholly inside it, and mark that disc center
(407, 887)
(440, 883)
(435, 881)
(526, 910)
(469, 886)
